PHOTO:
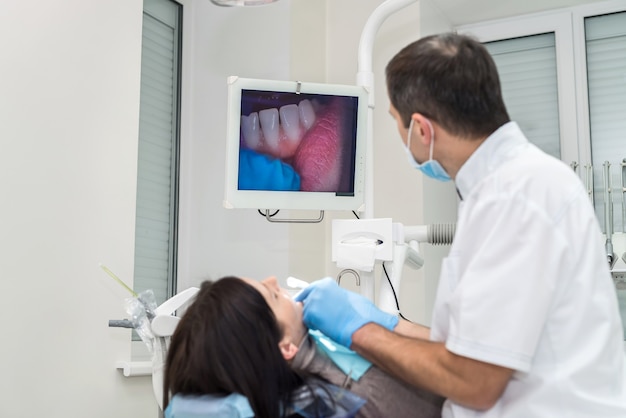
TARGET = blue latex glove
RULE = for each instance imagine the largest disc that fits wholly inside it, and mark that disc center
(260, 172)
(338, 313)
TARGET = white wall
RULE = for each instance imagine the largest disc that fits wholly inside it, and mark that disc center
(69, 106)
(248, 42)
(69, 103)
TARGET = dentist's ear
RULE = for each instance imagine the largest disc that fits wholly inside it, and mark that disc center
(288, 349)
(425, 128)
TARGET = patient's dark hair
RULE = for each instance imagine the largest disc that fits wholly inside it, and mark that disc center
(227, 342)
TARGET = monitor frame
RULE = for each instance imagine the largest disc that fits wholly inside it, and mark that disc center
(270, 199)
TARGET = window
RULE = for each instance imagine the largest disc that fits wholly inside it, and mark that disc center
(527, 68)
(158, 168)
(535, 60)
(605, 43)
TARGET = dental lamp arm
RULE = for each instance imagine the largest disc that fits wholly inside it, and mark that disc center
(365, 77)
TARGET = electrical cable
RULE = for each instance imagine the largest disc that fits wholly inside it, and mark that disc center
(394, 294)
(271, 216)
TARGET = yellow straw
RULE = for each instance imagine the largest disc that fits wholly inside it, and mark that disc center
(117, 279)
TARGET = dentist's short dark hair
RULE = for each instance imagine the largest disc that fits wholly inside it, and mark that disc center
(451, 79)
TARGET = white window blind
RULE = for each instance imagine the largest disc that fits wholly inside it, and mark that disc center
(605, 38)
(528, 75)
(157, 178)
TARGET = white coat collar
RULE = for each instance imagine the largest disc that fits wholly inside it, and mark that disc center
(502, 145)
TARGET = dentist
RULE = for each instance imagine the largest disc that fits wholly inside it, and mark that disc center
(526, 321)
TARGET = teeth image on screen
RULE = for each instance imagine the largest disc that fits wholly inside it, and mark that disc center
(278, 132)
(309, 135)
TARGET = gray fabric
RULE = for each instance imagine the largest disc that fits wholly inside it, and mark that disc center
(386, 396)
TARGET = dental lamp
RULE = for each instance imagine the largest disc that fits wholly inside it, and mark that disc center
(230, 3)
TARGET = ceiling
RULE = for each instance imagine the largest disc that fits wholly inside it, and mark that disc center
(462, 12)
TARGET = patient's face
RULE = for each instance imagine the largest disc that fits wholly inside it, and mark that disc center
(287, 311)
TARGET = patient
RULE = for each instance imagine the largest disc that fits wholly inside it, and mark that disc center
(247, 337)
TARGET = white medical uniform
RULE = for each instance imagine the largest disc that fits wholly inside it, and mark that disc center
(526, 286)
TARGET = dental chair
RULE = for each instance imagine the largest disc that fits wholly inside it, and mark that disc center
(155, 326)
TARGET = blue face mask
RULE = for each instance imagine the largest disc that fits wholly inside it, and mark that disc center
(431, 168)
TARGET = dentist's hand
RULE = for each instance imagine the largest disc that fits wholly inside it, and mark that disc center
(338, 313)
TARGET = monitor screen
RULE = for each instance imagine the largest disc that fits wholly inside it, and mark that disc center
(295, 145)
